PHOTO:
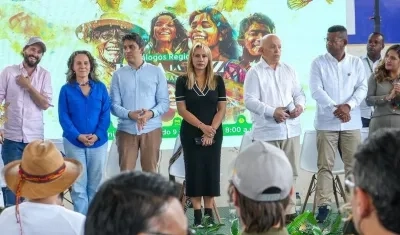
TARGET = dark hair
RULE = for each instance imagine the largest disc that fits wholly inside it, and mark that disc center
(71, 76)
(381, 73)
(377, 172)
(136, 38)
(255, 18)
(181, 34)
(228, 47)
(126, 203)
(259, 217)
(338, 29)
(379, 34)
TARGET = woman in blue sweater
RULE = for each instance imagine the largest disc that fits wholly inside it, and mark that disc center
(84, 114)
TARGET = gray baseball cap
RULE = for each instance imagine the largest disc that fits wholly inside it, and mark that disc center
(36, 40)
(261, 166)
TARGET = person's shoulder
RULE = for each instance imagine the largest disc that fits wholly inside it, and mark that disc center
(151, 67)
(321, 58)
(287, 66)
(10, 68)
(78, 217)
(100, 84)
(181, 79)
(7, 214)
(121, 69)
(353, 58)
(43, 70)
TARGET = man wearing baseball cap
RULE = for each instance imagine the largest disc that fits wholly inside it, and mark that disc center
(26, 89)
(260, 188)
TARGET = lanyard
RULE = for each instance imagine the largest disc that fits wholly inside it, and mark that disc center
(369, 65)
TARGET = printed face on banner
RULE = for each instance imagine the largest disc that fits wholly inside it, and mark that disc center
(231, 28)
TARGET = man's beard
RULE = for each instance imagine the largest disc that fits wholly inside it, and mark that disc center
(29, 63)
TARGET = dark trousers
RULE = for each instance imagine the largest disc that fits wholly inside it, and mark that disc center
(365, 122)
(11, 151)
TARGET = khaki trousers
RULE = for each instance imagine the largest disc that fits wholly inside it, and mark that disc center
(328, 143)
(129, 146)
(291, 147)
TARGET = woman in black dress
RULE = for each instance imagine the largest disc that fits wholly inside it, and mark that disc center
(201, 102)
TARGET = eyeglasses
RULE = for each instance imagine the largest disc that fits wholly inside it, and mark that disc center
(332, 41)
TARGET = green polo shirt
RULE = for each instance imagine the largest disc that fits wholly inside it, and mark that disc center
(272, 231)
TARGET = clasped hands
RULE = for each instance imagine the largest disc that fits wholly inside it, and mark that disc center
(342, 112)
(141, 117)
(88, 139)
(394, 92)
(208, 134)
(281, 113)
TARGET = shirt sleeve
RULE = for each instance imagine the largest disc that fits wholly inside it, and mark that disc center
(116, 101)
(180, 87)
(221, 89)
(47, 89)
(252, 96)
(361, 88)
(298, 93)
(3, 85)
(104, 119)
(68, 127)
(317, 88)
(162, 95)
(372, 99)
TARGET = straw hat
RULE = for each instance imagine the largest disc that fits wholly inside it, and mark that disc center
(42, 172)
(112, 19)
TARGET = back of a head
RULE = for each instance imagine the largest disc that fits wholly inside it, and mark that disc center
(125, 204)
(261, 184)
(377, 173)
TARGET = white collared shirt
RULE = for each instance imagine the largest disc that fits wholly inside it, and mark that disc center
(266, 89)
(333, 83)
(369, 66)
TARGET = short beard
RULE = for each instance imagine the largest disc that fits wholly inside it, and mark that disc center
(30, 64)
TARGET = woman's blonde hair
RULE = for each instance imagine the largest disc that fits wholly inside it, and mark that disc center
(381, 73)
(211, 81)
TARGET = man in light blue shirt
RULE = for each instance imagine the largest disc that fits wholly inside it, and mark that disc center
(139, 95)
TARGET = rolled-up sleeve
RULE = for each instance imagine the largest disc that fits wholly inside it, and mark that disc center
(47, 89)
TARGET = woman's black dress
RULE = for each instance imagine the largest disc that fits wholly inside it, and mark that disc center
(202, 164)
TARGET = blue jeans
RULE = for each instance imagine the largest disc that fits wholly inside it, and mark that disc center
(11, 151)
(93, 161)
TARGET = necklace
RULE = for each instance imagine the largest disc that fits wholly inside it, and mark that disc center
(84, 84)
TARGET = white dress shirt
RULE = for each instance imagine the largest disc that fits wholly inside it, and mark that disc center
(333, 83)
(266, 89)
(369, 66)
(43, 219)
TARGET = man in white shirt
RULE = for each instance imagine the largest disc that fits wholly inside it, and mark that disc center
(371, 60)
(339, 85)
(275, 99)
(40, 177)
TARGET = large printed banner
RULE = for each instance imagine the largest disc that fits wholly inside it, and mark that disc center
(231, 28)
